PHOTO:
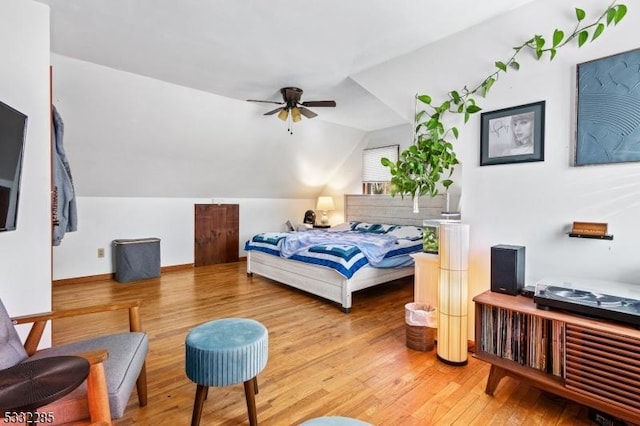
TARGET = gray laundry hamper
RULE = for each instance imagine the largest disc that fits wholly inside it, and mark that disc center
(137, 259)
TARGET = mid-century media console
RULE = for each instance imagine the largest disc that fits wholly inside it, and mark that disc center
(592, 362)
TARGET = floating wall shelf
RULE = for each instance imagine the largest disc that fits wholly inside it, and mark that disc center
(593, 230)
(593, 237)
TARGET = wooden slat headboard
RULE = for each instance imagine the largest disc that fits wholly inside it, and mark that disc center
(394, 210)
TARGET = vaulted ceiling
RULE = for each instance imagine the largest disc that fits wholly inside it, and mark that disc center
(250, 49)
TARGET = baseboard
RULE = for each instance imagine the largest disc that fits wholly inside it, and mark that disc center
(176, 267)
(112, 276)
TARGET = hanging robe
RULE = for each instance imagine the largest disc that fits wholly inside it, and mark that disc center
(64, 209)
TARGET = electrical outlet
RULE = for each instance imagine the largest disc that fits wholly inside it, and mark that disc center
(100, 252)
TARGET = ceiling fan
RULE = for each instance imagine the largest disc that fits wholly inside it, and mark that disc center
(293, 109)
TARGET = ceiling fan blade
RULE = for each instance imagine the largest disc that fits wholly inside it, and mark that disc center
(273, 111)
(314, 104)
(307, 112)
(266, 102)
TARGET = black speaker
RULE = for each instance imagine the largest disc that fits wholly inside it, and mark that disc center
(507, 269)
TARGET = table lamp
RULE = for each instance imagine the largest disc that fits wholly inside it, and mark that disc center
(324, 205)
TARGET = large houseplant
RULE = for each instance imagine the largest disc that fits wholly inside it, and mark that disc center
(420, 168)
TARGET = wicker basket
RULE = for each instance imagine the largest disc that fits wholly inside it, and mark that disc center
(420, 338)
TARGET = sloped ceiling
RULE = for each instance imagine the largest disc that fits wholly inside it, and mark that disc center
(249, 49)
(232, 51)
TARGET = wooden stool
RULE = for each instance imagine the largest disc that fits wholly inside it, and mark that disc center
(225, 352)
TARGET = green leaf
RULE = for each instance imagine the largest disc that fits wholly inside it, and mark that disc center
(622, 10)
(611, 15)
(539, 42)
(501, 66)
(487, 85)
(466, 116)
(515, 65)
(553, 54)
(598, 31)
(583, 36)
(580, 15)
(471, 109)
(425, 99)
(454, 130)
(539, 53)
(455, 96)
(558, 36)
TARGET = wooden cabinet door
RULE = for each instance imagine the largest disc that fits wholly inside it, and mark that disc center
(216, 233)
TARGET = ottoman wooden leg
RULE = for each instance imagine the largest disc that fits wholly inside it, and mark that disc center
(255, 384)
(201, 394)
(250, 392)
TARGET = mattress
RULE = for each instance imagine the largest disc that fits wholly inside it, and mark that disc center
(345, 248)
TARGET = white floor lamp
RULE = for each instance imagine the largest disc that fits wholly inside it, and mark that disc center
(452, 293)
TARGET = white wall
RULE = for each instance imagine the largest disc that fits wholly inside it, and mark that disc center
(143, 151)
(25, 254)
(127, 135)
(104, 219)
(530, 204)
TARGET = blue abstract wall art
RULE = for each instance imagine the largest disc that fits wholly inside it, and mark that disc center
(608, 126)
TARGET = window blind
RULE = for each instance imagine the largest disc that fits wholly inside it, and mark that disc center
(372, 169)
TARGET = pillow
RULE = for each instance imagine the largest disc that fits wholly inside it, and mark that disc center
(340, 228)
(361, 226)
(375, 228)
(11, 350)
(408, 232)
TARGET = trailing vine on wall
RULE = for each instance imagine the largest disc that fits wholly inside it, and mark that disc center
(419, 168)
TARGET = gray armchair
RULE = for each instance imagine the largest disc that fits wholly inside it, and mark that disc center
(123, 367)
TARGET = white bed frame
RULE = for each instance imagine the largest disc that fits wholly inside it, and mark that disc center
(326, 282)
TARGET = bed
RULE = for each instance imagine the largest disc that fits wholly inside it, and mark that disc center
(367, 214)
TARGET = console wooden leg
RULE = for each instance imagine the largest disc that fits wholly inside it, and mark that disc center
(495, 375)
(250, 392)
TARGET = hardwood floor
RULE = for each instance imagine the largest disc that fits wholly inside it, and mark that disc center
(321, 361)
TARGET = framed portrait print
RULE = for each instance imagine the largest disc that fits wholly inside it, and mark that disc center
(608, 119)
(512, 135)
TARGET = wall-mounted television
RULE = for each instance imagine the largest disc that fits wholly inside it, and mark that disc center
(13, 125)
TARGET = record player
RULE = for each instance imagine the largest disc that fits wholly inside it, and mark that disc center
(601, 299)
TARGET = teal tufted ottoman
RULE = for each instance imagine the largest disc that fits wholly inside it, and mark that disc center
(226, 352)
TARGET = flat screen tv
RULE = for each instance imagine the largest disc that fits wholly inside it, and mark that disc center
(13, 125)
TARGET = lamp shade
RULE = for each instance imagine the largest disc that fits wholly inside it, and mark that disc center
(452, 293)
(325, 204)
(283, 114)
(295, 114)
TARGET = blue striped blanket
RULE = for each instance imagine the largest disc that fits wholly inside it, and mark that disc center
(345, 251)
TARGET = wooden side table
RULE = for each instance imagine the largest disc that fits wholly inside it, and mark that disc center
(32, 384)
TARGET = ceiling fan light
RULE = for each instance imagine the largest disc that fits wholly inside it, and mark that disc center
(283, 114)
(295, 114)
